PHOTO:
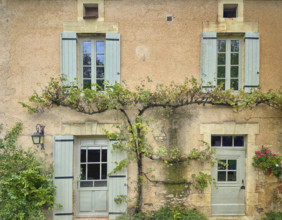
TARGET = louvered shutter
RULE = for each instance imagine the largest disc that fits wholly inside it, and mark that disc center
(117, 181)
(69, 58)
(208, 59)
(63, 176)
(112, 62)
(252, 47)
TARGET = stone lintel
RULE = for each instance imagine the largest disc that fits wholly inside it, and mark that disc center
(230, 27)
(87, 128)
(91, 27)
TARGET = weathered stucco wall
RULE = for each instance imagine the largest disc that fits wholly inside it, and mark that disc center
(150, 46)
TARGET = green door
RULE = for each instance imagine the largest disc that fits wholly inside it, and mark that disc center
(229, 196)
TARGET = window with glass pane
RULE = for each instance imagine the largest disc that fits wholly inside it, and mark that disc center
(93, 166)
(227, 171)
(227, 141)
(228, 64)
(93, 63)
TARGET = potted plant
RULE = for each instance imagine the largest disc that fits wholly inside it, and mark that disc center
(269, 162)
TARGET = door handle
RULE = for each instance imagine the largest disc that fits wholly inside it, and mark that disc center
(243, 186)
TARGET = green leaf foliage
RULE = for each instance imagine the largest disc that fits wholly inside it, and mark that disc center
(167, 213)
(134, 103)
(26, 189)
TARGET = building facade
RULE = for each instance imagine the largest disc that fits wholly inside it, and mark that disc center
(235, 42)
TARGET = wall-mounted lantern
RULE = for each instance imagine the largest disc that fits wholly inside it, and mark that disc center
(38, 136)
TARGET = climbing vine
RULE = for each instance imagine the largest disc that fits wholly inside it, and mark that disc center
(133, 104)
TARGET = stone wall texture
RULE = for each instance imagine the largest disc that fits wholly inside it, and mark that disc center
(150, 47)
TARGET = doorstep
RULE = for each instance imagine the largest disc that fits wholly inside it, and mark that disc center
(87, 218)
(230, 218)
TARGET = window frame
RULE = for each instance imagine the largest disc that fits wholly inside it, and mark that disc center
(228, 64)
(93, 65)
(233, 144)
(100, 163)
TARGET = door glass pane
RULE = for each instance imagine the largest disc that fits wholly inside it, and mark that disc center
(100, 46)
(100, 183)
(221, 46)
(232, 164)
(221, 166)
(234, 84)
(104, 155)
(239, 141)
(86, 184)
(221, 71)
(93, 171)
(227, 141)
(104, 171)
(234, 71)
(234, 45)
(216, 141)
(221, 176)
(221, 59)
(231, 175)
(234, 58)
(93, 155)
(83, 172)
(83, 155)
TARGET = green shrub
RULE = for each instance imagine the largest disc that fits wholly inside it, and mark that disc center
(167, 213)
(273, 216)
(26, 188)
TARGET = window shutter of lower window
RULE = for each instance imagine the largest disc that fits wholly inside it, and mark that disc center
(112, 62)
(252, 47)
(117, 181)
(68, 58)
(208, 59)
(63, 176)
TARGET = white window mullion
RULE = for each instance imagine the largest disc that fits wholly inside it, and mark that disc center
(228, 64)
(93, 64)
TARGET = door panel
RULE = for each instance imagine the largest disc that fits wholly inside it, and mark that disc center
(100, 201)
(85, 203)
(229, 197)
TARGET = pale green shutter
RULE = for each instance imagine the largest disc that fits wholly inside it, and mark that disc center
(208, 59)
(252, 44)
(117, 181)
(69, 57)
(63, 176)
(112, 62)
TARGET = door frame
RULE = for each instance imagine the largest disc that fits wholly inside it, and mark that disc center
(250, 130)
(76, 165)
(231, 153)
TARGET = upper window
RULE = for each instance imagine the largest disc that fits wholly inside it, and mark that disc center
(230, 10)
(228, 63)
(92, 63)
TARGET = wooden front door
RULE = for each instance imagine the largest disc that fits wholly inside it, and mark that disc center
(228, 198)
(92, 181)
